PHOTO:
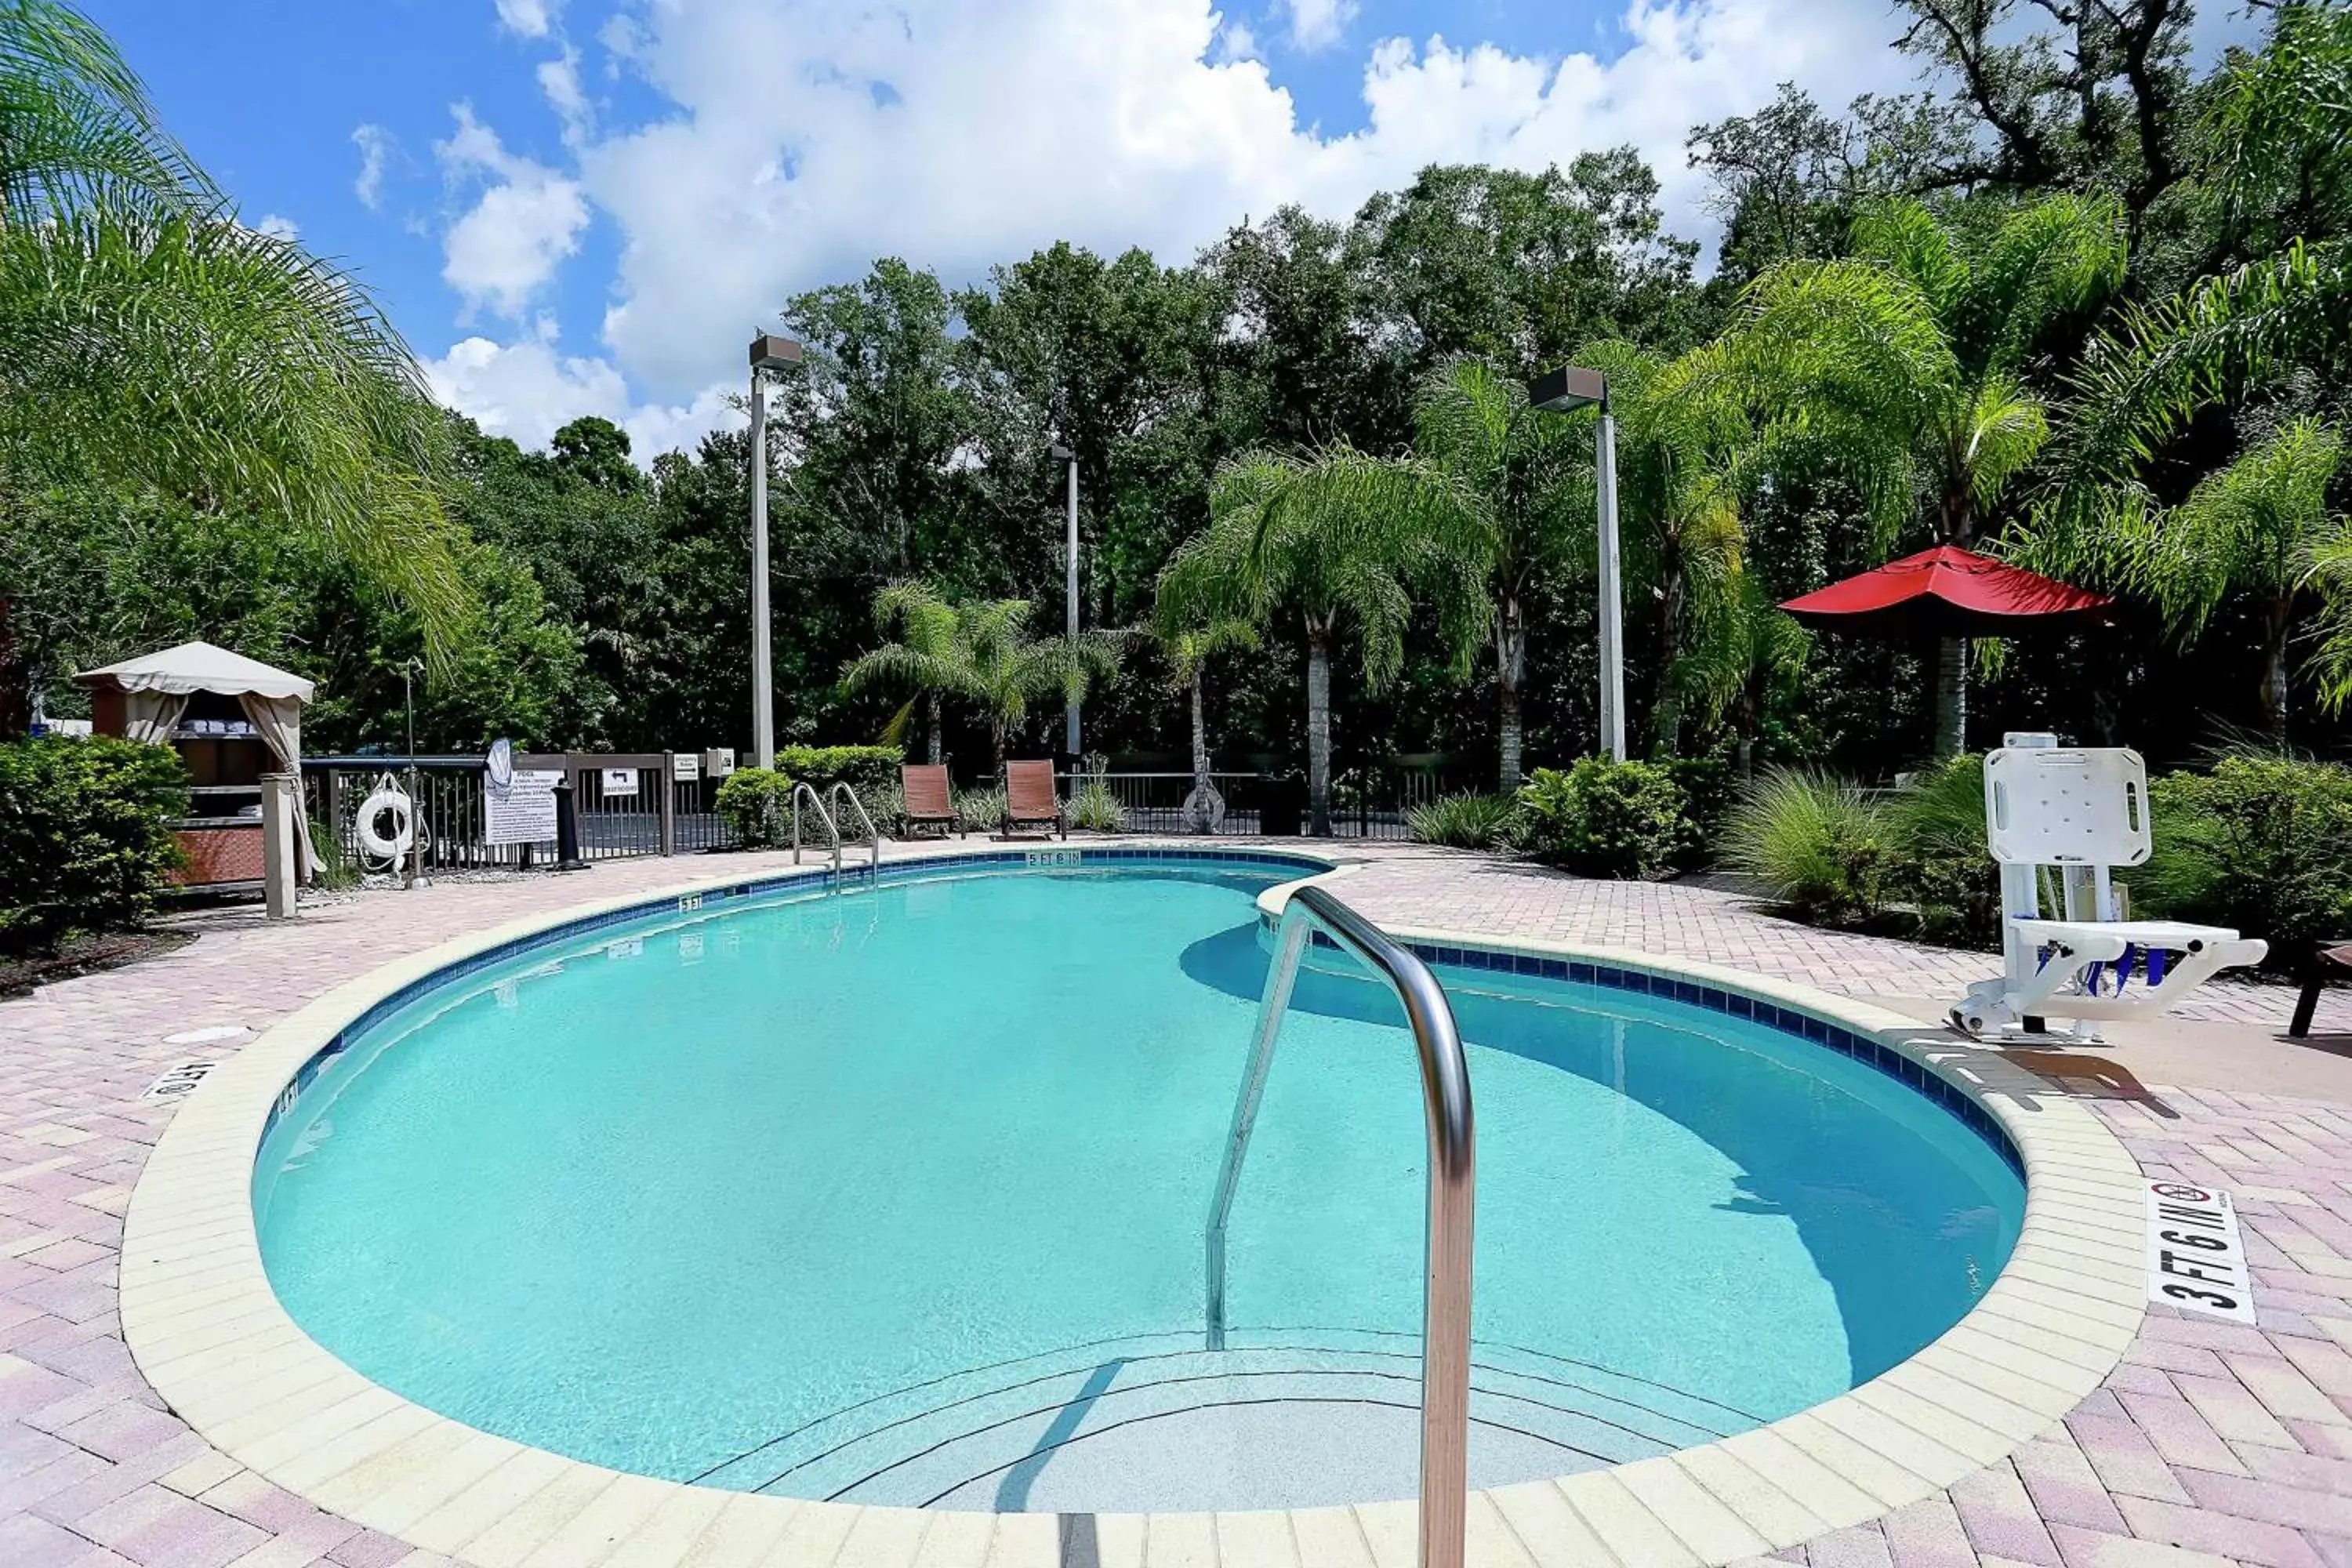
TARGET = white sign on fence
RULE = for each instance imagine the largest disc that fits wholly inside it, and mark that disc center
(620, 781)
(523, 810)
(2195, 1259)
(685, 767)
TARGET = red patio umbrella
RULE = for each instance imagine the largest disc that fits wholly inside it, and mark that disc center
(1947, 592)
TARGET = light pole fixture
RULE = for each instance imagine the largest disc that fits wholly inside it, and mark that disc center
(1062, 453)
(769, 352)
(1571, 388)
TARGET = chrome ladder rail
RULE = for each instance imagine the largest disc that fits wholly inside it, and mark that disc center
(840, 791)
(822, 815)
(1446, 1094)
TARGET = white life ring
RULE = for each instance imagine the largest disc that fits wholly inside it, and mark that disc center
(385, 827)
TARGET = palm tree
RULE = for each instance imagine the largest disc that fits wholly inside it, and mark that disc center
(148, 340)
(1528, 477)
(1189, 650)
(983, 651)
(1750, 656)
(2261, 526)
(1345, 541)
(923, 657)
(1905, 362)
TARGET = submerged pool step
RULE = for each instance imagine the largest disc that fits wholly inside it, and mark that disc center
(1278, 1418)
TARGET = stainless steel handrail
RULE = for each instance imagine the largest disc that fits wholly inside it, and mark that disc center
(822, 815)
(842, 791)
(1445, 1093)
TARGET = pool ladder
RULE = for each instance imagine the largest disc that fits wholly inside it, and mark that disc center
(841, 791)
(1446, 1094)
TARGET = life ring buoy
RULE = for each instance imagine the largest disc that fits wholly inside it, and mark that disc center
(386, 826)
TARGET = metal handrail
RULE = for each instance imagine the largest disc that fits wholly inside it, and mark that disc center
(840, 791)
(822, 815)
(1445, 1093)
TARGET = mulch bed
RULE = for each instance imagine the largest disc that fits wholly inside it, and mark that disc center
(20, 972)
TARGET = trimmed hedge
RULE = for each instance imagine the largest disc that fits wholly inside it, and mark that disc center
(85, 835)
(2262, 844)
(862, 768)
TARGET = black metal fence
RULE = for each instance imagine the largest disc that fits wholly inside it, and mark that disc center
(638, 804)
(629, 804)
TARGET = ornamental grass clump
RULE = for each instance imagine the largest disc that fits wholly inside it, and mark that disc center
(1819, 844)
(1466, 821)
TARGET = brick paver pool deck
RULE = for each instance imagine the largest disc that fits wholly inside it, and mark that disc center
(2211, 1443)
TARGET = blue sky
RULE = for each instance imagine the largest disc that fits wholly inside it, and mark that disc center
(588, 205)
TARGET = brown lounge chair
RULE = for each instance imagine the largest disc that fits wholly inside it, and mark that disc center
(1029, 799)
(928, 805)
(2335, 956)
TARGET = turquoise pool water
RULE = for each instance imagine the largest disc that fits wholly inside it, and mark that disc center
(897, 1196)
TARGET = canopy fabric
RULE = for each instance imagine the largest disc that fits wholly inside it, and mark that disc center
(1947, 592)
(199, 666)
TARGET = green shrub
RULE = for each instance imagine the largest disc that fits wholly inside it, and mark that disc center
(85, 835)
(757, 802)
(1821, 845)
(2263, 844)
(1710, 788)
(1600, 818)
(982, 809)
(862, 768)
(1465, 821)
(886, 804)
(1942, 865)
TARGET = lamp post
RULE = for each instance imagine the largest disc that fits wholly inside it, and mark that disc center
(1070, 602)
(1571, 387)
(768, 353)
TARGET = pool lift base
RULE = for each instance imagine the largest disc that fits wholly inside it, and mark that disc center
(2076, 814)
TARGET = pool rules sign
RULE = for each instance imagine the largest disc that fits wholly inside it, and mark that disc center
(2195, 1260)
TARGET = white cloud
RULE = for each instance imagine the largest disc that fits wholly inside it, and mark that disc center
(801, 139)
(1317, 24)
(527, 221)
(278, 227)
(529, 388)
(1009, 123)
(559, 79)
(531, 19)
(375, 145)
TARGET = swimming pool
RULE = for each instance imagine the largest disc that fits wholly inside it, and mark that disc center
(896, 1196)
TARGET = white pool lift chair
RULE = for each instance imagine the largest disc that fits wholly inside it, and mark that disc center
(2079, 811)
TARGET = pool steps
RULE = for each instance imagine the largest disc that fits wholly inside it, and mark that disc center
(993, 1436)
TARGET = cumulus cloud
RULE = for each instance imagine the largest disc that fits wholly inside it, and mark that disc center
(1317, 24)
(375, 144)
(801, 139)
(278, 227)
(526, 222)
(529, 388)
(559, 79)
(529, 18)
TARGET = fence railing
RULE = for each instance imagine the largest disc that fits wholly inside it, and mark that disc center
(629, 804)
(633, 804)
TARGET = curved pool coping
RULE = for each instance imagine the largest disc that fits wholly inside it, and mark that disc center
(208, 1333)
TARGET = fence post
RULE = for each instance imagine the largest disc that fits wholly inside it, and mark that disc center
(669, 807)
(279, 795)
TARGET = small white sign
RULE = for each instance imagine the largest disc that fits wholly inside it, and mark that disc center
(685, 767)
(523, 812)
(2195, 1259)
(179, 1081)
(620, 781)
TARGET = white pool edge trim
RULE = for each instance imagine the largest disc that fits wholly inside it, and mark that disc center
(208, 1333)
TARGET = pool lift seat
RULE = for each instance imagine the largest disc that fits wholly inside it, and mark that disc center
(2081, 811)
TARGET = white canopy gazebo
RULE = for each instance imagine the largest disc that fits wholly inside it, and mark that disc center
(143, 698)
